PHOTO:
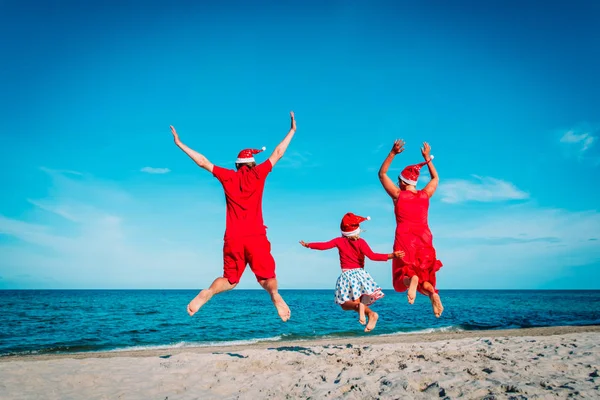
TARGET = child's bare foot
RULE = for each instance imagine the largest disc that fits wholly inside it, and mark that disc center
(282, 308)
(436, 303)
(373, 317)
(361, 314)
(412, 289)
(198, 302)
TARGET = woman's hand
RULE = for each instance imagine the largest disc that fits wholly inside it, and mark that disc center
(399, 254)
(303, 243)
(426, 151)
(398, 146)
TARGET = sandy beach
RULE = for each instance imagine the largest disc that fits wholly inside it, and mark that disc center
(537, 363)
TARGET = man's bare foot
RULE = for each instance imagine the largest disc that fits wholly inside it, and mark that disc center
(198, 302)
(436, 303)
(361, 314)
(282, 308)
(412, 289)
(373, 317)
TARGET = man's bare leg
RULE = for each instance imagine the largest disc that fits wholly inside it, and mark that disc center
(436, 302)
(412, 289)
(270, 285)
(218, 286)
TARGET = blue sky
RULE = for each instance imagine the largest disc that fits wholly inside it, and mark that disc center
(96, 195)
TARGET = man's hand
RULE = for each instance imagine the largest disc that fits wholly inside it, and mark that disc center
(293, 120)
(426, 151)
(175, 136)
(398, 146)
(283, 145)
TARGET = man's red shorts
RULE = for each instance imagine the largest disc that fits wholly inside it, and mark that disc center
(253, 250)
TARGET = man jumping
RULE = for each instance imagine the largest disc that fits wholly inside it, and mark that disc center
(245, 240)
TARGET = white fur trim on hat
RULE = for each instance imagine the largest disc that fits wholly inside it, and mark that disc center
(245, 160)
(351, 233)
(407, 181)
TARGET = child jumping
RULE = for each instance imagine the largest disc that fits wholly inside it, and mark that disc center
(355, 288)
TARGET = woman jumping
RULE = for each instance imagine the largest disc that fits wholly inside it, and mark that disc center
(416, 270)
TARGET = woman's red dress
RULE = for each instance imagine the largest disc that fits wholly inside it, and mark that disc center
(414, 238)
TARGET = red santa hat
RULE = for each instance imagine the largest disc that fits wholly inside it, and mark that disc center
(350, 224)
(246, 155)
(410, 174)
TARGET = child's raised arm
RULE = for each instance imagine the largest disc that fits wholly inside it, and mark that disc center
(319, 245)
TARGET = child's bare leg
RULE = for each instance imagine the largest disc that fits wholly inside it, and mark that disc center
(361, 313)
(350, 305)
(436, 301)
(356, 306)
(412, 289)
(373, 317)
(218, 286)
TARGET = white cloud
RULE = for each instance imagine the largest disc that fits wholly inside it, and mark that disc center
(89, 233)
(92, 234)
(296, 159)
(152, 170)
(60, 171)
(582, 141)
(481, 189)
(519, 247)
(378, 148)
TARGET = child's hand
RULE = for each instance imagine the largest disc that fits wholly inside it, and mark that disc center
(399, 254)
(303, 243)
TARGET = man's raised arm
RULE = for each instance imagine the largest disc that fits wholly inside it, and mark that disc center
(194, 155)
(282, 147)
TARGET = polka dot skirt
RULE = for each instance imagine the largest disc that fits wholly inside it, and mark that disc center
(357, 284)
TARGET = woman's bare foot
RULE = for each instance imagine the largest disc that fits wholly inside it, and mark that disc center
(412, 289)
(436, 303)
(373, 317)
(361, 314)
(406, 281)
(282, 308)
(198, 302)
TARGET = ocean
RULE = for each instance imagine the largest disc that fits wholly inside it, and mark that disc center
(67, 321)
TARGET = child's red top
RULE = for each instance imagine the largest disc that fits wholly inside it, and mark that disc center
(352, 252)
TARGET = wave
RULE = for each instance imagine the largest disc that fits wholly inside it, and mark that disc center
(180, 345)
(96, 349)
(452, 328)
(52, 350)
(285, 337)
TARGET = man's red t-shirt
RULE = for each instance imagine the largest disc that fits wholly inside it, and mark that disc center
(243, 194)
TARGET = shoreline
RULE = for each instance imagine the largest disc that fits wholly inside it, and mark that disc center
(383, 339)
